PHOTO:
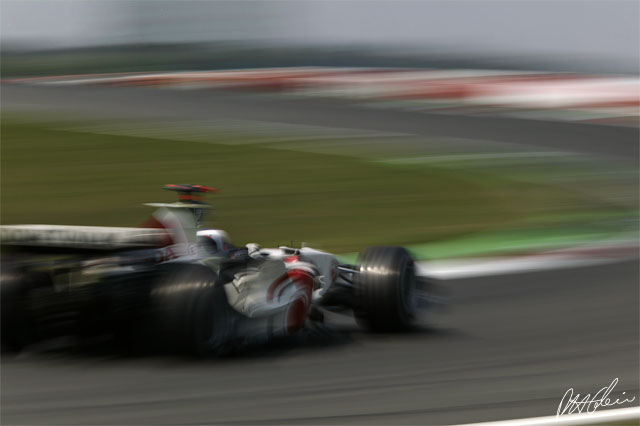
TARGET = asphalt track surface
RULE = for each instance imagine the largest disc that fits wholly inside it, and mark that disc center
(509, 347)
(119, 102)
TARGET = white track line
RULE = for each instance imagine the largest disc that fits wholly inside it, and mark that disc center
(471, 268)
(600, 417)
(594, 254)
(257, 131)
(479, 156)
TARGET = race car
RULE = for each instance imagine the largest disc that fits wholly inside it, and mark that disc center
(172, 286)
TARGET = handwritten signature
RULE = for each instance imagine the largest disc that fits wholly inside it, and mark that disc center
(571, 403)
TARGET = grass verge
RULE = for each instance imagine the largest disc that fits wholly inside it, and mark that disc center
(270, 196)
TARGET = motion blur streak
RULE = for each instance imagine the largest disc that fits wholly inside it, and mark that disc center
(489, 147)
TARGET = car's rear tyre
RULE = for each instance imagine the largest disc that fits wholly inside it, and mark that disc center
(189, 311)
(12, 294)
(385, 289)
(17, 328)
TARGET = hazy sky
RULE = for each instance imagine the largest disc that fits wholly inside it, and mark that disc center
(607, 29)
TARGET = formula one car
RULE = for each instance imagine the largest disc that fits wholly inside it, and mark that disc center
(169, 284)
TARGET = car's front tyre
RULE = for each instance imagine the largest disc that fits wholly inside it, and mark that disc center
(385, 289)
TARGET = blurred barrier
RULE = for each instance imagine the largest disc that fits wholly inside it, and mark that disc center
(561, 96)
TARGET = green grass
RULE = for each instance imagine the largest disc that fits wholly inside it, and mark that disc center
(270, 196)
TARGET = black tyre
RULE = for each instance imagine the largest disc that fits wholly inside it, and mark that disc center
(189, 312)
(385, 289)
(12, 294)
(17, 329)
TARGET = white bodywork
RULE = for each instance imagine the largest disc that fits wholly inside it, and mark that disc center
(219, 237)
(278, 287)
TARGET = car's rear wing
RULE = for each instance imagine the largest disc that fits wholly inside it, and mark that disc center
(173, 224)
(80, 238)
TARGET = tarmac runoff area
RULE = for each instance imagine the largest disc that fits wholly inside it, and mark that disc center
(620, 143)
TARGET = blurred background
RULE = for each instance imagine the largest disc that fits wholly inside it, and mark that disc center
(497, 140)
(593, 36)
(552, 61)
